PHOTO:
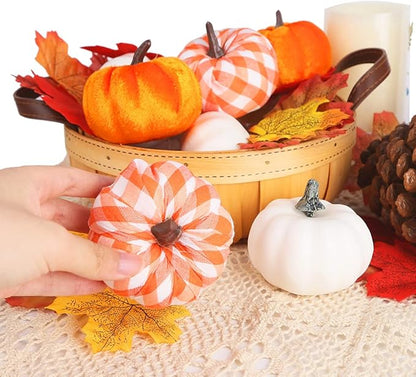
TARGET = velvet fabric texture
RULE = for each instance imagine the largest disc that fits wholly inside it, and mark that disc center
(146, 101)
(302, 51)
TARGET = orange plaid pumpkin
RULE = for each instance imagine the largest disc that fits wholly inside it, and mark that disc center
(236, 69)
(174, 221)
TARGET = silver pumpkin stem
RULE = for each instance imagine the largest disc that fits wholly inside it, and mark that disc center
(310, 203)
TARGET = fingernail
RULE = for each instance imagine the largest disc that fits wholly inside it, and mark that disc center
(129, 264)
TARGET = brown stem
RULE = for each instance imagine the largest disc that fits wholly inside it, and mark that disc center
(166, 232)
(140, 53)
(215, 50)
(279, 19)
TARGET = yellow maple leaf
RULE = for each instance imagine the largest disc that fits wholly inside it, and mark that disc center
(296, 123)
(113, 320)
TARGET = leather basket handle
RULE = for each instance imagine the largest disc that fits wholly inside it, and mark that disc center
(372, 78)
(29, 106)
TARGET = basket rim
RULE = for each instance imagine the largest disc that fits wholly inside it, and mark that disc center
(349, 128)
(234, 166)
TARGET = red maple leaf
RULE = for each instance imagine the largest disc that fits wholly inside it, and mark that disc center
(396, 275)
(122, 48)
(392, 271)
(100, 54)
(57, 98)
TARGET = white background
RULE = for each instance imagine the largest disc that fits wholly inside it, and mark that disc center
(170, 24)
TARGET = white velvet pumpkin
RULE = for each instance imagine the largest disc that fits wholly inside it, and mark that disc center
(309, 255)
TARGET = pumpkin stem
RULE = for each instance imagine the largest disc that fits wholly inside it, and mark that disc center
(279, 19)
(166, 232)
(140, 53)
(215, 50)
(310, 203)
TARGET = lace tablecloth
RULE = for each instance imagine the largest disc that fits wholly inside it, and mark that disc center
(240, 326)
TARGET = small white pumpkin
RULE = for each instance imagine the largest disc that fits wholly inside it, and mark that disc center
(121, 60)
(214, 131)
(118, 61)
(313, 254)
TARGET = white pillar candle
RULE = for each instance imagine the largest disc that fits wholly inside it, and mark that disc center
(353, 26)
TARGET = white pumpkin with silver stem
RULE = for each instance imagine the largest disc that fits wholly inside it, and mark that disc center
(309, 247)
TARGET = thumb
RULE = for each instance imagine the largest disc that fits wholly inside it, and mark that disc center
(90, 260)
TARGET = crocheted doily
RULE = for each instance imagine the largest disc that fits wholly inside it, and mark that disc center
(240, 326)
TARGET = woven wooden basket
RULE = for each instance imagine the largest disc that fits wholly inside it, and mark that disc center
(245, 180)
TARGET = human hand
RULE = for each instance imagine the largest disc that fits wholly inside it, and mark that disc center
(38, 255)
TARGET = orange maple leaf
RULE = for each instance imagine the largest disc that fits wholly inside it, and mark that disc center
(113, 320)
(383, 124)
(65, 70)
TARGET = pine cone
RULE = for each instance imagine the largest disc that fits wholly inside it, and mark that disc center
(389, 174)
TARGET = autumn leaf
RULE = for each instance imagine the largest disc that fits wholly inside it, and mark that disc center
(122, 48)
(79, 234)
(391, 273)
(395, 276)
(66, 71)
(57, 98)
(301, 123)
(315, 87)
(113, 320)
(100, 54)
(383, 124)
(345, 107)
(30, 302)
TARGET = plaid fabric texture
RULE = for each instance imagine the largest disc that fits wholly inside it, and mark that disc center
(240, 81)
(145, 195)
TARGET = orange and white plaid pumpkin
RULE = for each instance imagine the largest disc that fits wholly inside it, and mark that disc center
(239, 81)
(174, 221)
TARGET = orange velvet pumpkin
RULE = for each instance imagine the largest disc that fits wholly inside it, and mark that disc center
(302, 49)
(142, 101)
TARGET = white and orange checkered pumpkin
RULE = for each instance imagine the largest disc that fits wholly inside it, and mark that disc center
(236, 68)
(174, 221)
